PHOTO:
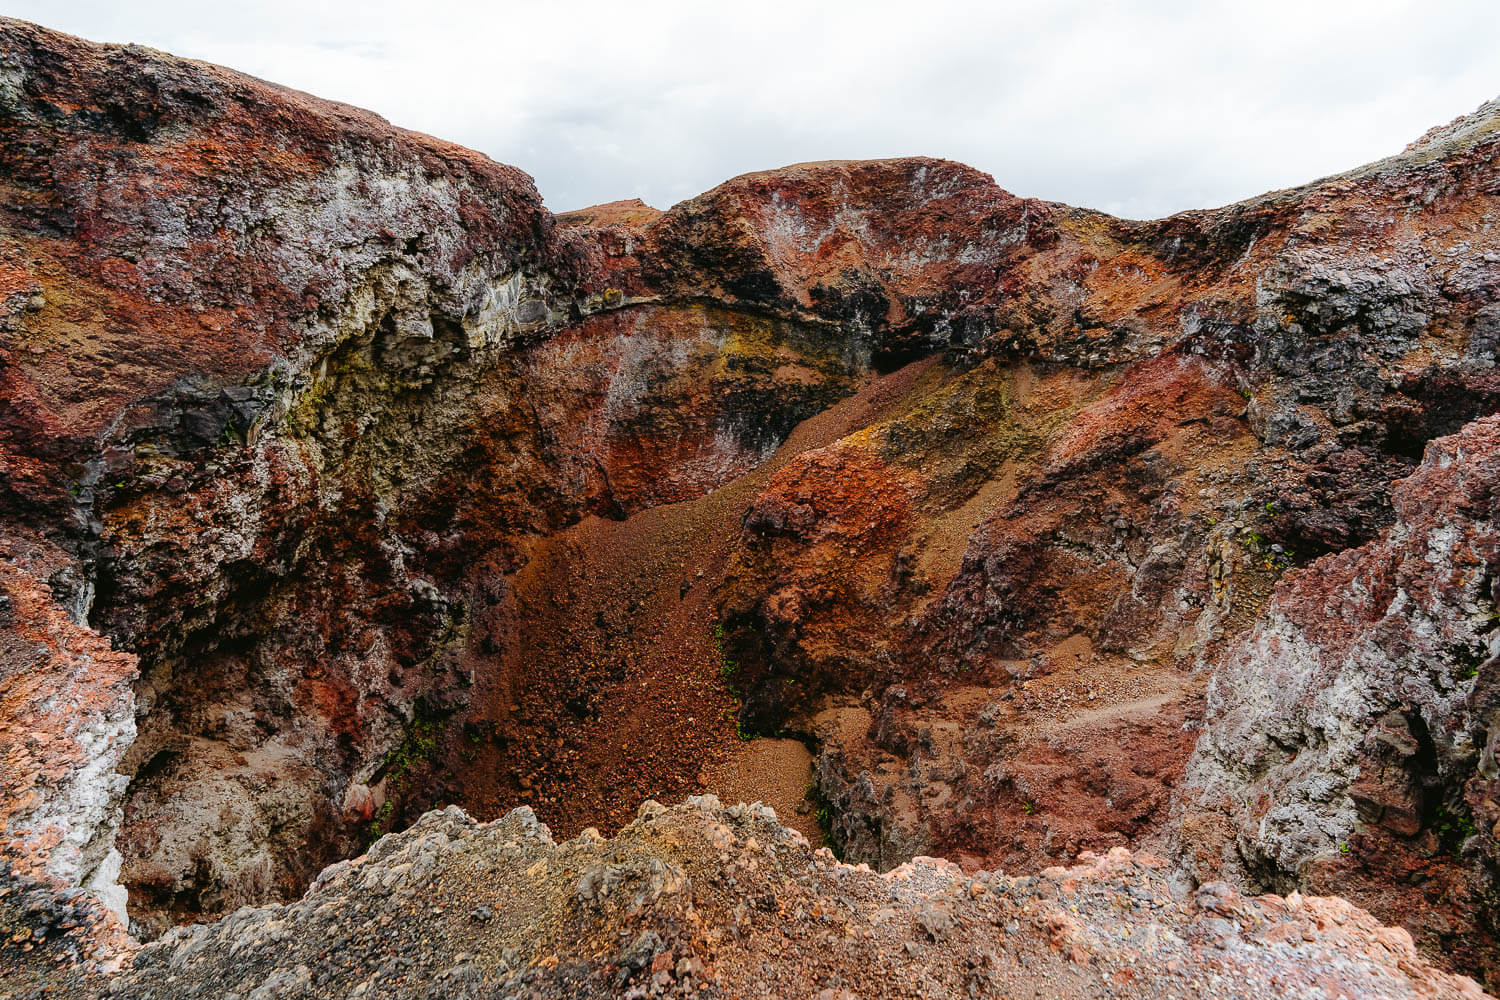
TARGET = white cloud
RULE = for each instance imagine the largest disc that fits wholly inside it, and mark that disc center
(1137, 108)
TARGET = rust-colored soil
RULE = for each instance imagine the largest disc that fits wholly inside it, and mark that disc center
(776, 772)
(599, 679)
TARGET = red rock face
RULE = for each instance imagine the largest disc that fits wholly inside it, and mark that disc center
(156, 233)
(67, 722)
(307, 423)
(1347, 739)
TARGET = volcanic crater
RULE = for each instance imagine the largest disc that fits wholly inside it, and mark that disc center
(341, 481)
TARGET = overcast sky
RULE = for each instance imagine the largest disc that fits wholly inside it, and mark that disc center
(1140, 109)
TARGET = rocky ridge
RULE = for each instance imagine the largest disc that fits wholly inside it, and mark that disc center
(299, 413)
(703, 901)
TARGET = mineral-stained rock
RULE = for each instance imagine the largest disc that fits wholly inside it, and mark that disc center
(1348, 735)
(66, 721)
(189, 250)
(699, 900)
(303, 416)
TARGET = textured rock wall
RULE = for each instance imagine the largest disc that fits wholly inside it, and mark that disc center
(66, 721)
(1348, 735)
(191, 249)
(1256, 383)
(347, 656)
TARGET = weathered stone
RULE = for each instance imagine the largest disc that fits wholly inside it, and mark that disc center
(1353, 715)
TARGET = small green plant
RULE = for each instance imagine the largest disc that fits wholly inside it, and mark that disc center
(421, 744)
(1029, 808)
(1453, 828)
(1274, 560)
(728, 668)
(1343, 847)
(480, 733)
(380, 819)
(823, 814)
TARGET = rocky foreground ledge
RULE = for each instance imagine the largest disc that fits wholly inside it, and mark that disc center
(703, 900)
